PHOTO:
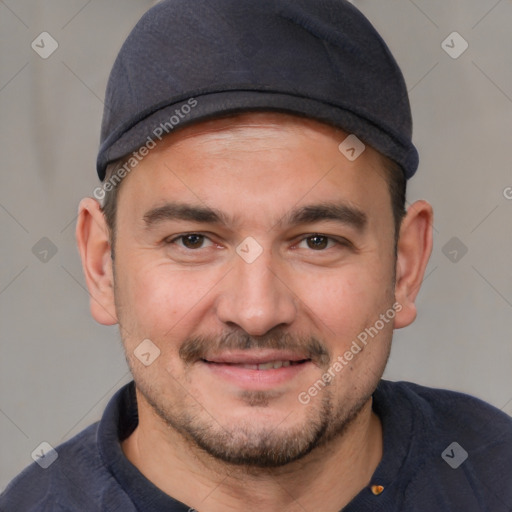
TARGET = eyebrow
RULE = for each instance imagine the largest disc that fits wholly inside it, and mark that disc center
(339, 212)
(179, 211)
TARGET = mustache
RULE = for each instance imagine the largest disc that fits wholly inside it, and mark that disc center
(199, 347)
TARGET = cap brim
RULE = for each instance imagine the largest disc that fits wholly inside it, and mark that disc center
(129, 139)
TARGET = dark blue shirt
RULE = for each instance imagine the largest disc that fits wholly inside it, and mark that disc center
(443, 451)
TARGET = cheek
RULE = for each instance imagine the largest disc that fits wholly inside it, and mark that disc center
(158, 301)
(346, 301)
(350, 308)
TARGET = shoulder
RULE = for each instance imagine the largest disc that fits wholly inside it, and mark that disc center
(76, 480)
(451, 409)
(461, 449)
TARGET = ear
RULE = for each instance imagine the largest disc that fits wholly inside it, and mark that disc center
(92, 237)
(414, 249)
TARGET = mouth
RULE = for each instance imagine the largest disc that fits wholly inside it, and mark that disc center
(262, 370)
(270, 365)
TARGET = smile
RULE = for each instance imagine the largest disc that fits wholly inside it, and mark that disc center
(271, 365)
(257, 370)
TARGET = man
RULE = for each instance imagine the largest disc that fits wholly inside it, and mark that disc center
(253, 247)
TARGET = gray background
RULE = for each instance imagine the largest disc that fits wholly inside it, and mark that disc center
(58, 368)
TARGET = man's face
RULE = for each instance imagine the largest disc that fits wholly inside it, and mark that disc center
(251, 306)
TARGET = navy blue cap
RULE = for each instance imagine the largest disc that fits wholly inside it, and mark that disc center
(192, 60)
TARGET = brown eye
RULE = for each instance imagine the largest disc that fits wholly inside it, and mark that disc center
(317, 242)
(192, 241)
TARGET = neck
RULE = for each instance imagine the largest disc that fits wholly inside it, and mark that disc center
(331, 474)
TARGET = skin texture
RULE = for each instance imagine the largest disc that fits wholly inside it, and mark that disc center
(219, 439)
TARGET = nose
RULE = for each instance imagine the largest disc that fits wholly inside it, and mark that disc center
(256, 297)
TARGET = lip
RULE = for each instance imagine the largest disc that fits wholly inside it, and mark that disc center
(256, 357)
(228, 366)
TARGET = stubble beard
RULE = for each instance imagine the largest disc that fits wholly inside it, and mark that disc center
(247, 445)
(244, 444)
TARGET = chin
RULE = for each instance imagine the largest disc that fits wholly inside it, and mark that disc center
(256, 433)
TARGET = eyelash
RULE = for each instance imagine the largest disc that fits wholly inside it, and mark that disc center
(181, 237)
(339, 242)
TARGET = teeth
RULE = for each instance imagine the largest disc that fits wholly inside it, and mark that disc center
(271, 365)
(249, 366)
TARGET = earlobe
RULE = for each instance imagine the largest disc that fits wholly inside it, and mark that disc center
(94, 246)
(414, 249)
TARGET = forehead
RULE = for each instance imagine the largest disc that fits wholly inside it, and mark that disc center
(254, 124)
(256, 157)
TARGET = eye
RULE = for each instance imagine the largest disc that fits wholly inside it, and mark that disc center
(317, 242)
(191, 241)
